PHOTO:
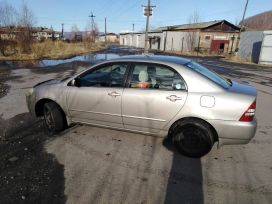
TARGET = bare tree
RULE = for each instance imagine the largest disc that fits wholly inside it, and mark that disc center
(74, 32)
(91, 31)
(8, 16)
(191, 36)
(88, 32)
(95, 31)
(26, 21)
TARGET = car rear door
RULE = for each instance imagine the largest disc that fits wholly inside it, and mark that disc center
(154, 95)
(97, 99)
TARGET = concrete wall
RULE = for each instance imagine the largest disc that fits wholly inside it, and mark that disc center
(177, 41)
(206, 43)
(266, 49)
(250, 45)
(138, 39)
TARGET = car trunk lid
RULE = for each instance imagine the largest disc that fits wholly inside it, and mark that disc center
(240, 88)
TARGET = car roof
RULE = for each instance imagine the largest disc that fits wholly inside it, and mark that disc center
(153, 58)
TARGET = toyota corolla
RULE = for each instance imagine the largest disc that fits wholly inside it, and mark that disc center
(157, 95)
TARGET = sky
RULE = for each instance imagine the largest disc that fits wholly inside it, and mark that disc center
(122, 14)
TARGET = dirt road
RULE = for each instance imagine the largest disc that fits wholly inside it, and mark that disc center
(93, 165)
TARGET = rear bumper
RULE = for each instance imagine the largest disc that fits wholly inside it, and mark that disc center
(234, 132)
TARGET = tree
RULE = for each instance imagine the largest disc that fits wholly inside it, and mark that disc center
(91, 31)
(8, 17)
(192, 35)
(26, 21)
(74, 32)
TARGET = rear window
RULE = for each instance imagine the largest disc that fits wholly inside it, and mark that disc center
(209, 74)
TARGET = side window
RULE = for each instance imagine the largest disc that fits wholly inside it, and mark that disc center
(108, 76)
(149, 76)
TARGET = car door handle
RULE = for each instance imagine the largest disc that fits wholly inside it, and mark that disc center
(114, 94)
(173, 98)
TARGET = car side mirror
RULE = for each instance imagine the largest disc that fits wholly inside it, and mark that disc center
(75, 82)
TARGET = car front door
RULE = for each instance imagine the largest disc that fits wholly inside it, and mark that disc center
(96, 95)
(154, 95)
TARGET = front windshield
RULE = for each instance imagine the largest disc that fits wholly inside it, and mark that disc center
(209, 74)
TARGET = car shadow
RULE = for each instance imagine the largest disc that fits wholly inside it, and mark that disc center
(28, 173)
(185, 179)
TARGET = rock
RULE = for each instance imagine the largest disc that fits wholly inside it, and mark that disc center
(13, 159)
(23, 197)
(26, 149)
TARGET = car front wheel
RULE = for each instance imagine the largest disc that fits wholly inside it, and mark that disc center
(53, 117)
(193, 138)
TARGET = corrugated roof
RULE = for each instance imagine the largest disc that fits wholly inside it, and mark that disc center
(200, 25)
(191, 25)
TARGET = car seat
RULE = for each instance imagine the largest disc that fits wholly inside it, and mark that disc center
(143, 78)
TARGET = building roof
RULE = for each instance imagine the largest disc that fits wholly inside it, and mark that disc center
(200, 25)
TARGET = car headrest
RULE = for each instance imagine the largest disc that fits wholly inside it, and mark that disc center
(143, 76)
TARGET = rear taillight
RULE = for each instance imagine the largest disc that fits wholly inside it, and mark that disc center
(249, 113)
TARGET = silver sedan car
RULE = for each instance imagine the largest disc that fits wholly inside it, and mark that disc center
(158, 95)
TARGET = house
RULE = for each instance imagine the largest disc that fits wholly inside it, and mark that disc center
(214, 36)
(42, 33)
(111, 37)
(8, 33)
(38, 33)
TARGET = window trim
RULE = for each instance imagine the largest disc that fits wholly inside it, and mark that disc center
(206, 77)
(100, 67)
(131, 69)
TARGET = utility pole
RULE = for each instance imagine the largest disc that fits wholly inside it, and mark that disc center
(105, 30)
(242, 22)
(241, 26)
(133, 28)
(92, 21)
(62, 31)
(147, 12)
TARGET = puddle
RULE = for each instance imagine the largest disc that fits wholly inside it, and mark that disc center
(91, 58)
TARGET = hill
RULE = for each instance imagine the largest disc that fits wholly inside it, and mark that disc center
(262, 21)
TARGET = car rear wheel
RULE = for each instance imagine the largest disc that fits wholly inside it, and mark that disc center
(53, 117)
(193, 138)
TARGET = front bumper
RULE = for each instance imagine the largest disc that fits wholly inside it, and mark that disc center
(30, 101)
(234, 132)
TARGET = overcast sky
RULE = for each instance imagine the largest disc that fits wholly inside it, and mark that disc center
(121, 14)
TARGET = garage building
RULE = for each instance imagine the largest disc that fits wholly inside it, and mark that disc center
(214, 36)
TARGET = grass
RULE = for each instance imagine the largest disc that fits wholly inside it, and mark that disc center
(54, 50)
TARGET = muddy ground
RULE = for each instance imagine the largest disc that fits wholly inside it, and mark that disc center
(93, 165)
(28, 174)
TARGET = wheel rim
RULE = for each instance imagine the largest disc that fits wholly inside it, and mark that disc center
(48, 118)
(192, 139)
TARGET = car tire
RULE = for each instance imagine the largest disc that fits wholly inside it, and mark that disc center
(193, 137)
(54, 119)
